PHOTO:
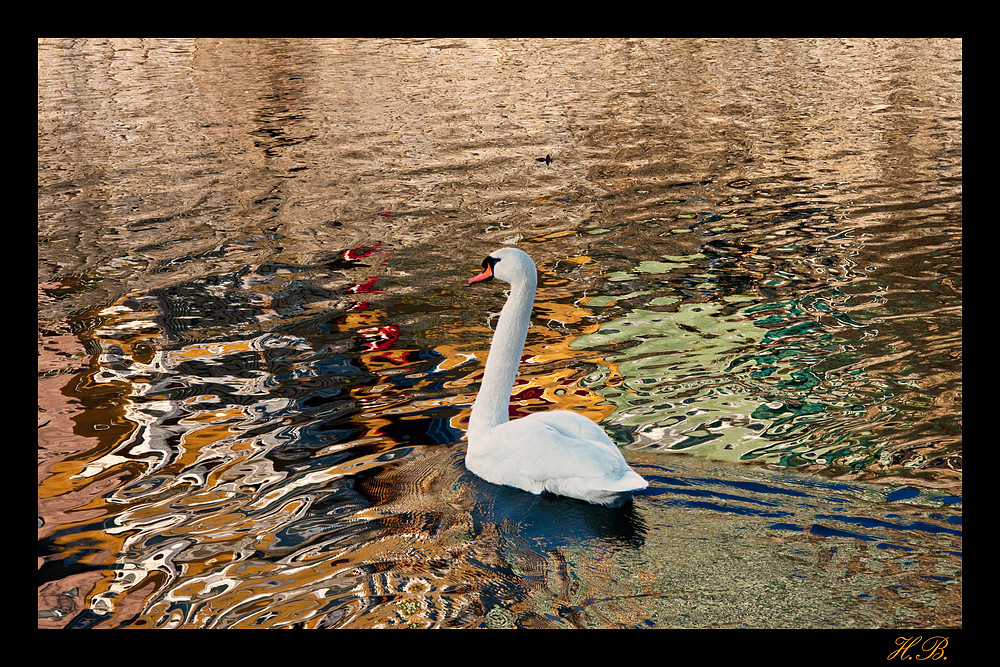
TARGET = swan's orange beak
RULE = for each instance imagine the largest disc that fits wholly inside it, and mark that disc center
(487, 274)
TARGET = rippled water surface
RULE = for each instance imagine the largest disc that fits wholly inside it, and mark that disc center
(258, 352)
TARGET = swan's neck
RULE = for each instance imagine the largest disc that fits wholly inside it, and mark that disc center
(492, 403)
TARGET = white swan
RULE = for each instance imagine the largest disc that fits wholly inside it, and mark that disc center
(561, 452)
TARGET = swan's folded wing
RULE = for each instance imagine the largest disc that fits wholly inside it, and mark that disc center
(563, 444)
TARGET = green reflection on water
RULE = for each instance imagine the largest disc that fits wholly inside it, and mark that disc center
(676, 391)
(770, 381)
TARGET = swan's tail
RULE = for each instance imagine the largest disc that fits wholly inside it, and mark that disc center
(600, 491)
(630, 481)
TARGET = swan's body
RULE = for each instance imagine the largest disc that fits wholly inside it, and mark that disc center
(561, 452)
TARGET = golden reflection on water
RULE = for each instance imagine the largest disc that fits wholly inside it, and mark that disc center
(199, 530)
(205, 500)
(258, 355)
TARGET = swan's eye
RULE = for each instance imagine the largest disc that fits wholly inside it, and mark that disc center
(490, 261)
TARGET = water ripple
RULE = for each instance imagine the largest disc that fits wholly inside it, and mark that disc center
(258, 351)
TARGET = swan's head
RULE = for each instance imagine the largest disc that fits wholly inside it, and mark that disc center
(510, 265)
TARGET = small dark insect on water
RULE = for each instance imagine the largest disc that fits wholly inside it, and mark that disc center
(547, 159)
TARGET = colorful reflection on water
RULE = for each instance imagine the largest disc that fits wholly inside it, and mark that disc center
(828, 379)
(267, 430)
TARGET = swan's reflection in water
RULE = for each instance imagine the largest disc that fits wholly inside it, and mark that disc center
(470, 553)
(553, 521)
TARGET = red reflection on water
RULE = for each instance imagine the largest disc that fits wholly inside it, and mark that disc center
(366, 287)
(379, 338)
(354, 254)
(529, 393)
